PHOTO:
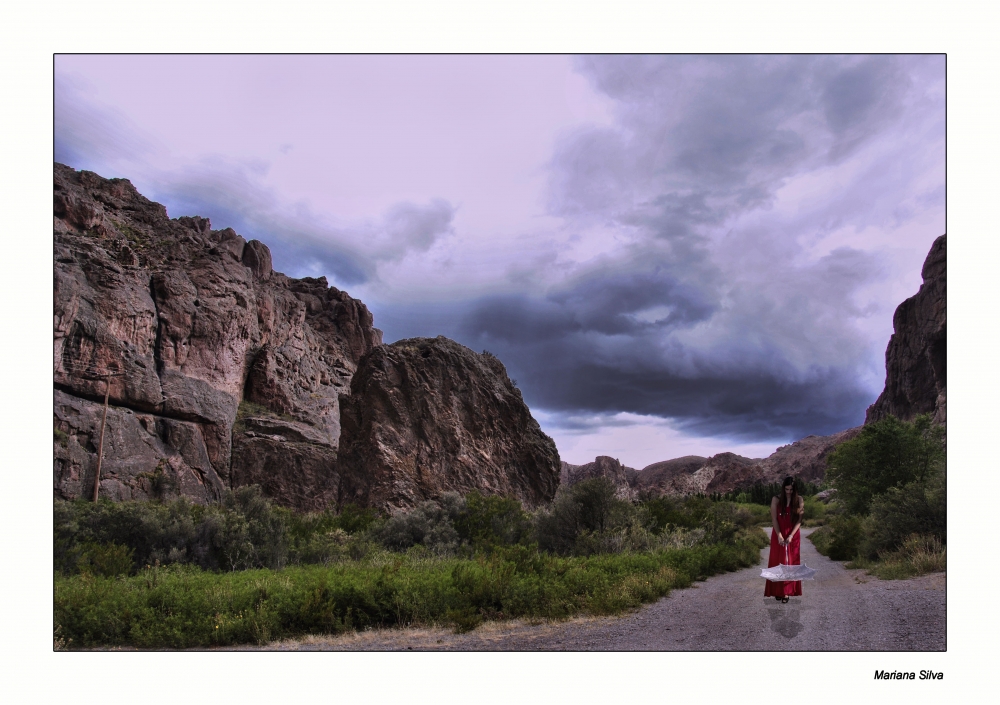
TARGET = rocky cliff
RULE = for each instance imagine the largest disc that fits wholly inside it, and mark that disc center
(426, 415)
(915, 360)
(226, 372)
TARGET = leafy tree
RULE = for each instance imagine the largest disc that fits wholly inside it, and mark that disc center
(588, 507)
(888, 453)
(492, 521)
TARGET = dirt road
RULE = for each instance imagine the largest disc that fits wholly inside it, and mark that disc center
(842, 610)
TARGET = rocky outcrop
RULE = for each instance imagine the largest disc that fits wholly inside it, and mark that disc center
(693, 474)
(915, 360)
(427, 415)
(604, 466)
(198, 329)
(663, 477)
(804, 459)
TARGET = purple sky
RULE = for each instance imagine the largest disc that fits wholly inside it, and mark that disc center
(672, 255)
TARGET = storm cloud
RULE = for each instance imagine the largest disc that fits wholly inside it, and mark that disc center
(715, 309)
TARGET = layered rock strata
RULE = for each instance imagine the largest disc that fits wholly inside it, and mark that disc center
(194, 324)
(915, 359)
(427, 415)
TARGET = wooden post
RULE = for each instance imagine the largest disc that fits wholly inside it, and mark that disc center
(100, 443)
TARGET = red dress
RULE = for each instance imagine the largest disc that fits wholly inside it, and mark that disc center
(787, 518)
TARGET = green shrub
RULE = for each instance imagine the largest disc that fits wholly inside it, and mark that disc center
(887, 453)
(354, 519)
(815, 512)
(430, 523)
(488, 521)
(919, 507)
(106, 559)
(251, 534)
(820, 538)
(845, 537)
(244, 531)
(581, 516)
(669, 513)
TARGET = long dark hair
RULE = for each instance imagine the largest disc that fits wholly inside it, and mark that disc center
(793, 506)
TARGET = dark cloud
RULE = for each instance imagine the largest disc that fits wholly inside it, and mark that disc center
(734, 337)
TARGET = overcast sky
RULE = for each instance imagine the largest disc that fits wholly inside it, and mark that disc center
(672, 255)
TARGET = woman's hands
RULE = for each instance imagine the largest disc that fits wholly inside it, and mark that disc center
(781, 539)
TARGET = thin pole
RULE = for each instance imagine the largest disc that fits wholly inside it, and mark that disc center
(100, 443)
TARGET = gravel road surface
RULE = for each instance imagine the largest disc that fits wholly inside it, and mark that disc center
(841, 610)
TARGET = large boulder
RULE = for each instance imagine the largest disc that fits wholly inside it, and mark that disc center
(426, 416)
(915, 360)
(197, 328)
(621, 476)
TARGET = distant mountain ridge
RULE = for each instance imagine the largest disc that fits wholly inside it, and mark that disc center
(724, 472)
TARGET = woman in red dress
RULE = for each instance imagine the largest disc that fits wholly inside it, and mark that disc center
(786, 518)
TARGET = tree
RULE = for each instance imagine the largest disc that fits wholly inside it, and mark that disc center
(887, 453)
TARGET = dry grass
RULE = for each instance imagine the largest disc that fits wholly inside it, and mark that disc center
(919, 555)
(418, 638)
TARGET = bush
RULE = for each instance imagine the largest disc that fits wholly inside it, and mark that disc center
(582, 517)
(430, 524)
(153, 531)
(668, 513)
(244, 531)
(919, 507)
(815, 512)
(106, 559)
(887, 453)
(842, 538)
(251, 534)
(488, 521)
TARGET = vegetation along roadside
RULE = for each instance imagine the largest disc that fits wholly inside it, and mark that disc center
(890, 515)
(180, 575)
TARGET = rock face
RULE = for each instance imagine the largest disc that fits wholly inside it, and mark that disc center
(693, 474)
(603, 466)
(804, 459)
(662, 477)
(427, 415)
(195, 323)
(915, 360)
